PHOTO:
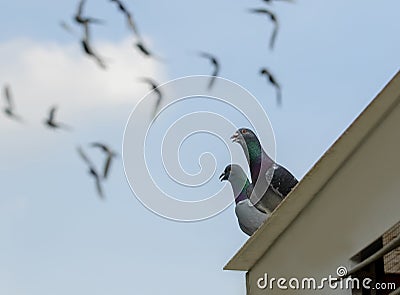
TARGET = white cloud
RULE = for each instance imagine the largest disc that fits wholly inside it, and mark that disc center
(44, 73)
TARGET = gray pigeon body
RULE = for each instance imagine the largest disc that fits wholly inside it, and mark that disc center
(249, 217)
(272, 182)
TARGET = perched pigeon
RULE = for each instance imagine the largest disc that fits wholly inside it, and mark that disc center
(109, 153)
(272, 182)
(249, 217)
(273, 18)
(92, 172)
(215, 64)
(51, 123)
(272, 80)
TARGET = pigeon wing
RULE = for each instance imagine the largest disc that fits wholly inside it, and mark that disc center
(282, 181)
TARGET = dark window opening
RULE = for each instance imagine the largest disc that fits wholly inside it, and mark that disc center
(384, 271)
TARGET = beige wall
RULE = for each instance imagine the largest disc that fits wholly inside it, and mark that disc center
(359, 203)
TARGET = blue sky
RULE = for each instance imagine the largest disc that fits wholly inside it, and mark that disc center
(331, 59)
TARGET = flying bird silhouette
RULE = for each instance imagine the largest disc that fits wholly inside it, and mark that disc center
(216, 65)
(273, 18)
(154, 87)
(51, 123)
(143, 49)
(110, 155)
(87, 48)
(89, 51)
(272, 80)
(82, 20)
(140, 46)
(9, 109)
(128, 16)
(92, 172)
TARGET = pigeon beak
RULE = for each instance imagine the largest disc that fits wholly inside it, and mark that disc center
(222, 177)
(235, 137)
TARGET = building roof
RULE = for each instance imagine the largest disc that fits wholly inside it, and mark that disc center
(317, 178)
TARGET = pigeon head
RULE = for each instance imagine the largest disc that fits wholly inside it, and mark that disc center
(246, 138)
(249, 143)
(227, 172)
(238, 180)
(233, 172)
(243, 135)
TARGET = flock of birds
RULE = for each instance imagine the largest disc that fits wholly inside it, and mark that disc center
(52, 123)
(85, 23)
(271, 183)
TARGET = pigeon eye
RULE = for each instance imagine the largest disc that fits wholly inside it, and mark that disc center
(244, 131)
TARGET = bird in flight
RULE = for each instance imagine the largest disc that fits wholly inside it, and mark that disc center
(89, 51)
(82, 20)
(9, 109)
(143, 49)
(92, 172)
(87, 48)
(110, 155)
(272, 80)
(154, 87)
(273, 18)
(51, 123)
(128, 16)
(215, 64)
